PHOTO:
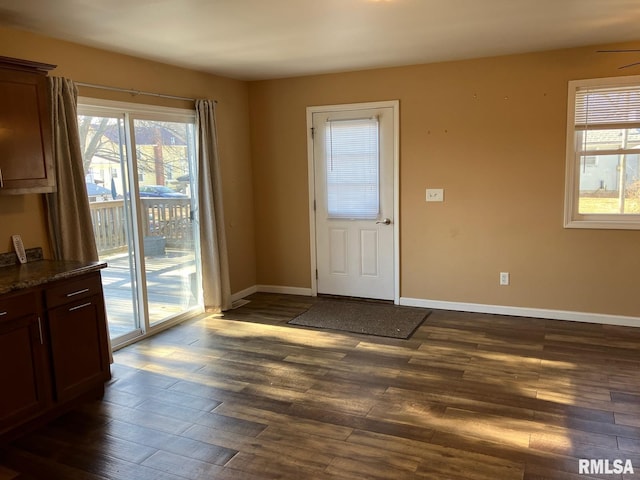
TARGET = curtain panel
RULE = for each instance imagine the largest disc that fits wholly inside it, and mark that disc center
(213, 242)
(70, 228)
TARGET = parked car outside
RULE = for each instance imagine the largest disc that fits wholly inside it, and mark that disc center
(95, 191)
(160, 191)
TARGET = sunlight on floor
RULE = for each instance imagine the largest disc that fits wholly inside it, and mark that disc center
(296, 336)
(323, 353)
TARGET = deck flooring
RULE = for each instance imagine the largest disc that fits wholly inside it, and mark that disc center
(246, 396)
(170, 288)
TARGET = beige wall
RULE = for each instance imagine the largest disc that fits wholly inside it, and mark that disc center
(24, 214)
(491, 132)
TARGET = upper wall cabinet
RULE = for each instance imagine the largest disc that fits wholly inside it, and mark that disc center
(26, 157)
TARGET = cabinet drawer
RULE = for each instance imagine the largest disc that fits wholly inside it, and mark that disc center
(72, 290)
(17, 306)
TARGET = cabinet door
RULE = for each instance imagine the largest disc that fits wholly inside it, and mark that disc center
(22, 369)
(26, 164)
(77, 334)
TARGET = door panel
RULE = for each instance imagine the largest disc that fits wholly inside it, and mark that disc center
(338, 251)
(369, 253)
(106, 164)
(25, 392)
(165, 159)
(75, 331)
(353, 154)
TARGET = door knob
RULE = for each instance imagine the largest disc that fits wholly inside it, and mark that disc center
(386, 221)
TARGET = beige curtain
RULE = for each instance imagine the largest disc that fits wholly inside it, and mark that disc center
(70, 229)
(213, 242)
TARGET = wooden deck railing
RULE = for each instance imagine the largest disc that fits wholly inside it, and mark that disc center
(108, 225)
(166, 217)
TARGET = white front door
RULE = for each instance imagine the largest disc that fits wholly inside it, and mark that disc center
(354, 176)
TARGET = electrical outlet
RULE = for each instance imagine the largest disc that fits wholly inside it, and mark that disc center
(504, 278)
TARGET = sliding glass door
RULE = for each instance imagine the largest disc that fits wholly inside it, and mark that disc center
(140, 175)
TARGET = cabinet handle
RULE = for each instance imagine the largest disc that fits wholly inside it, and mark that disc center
(1, 179)
(80, 306)
(40, 330)
(2, 314)
(85, 290)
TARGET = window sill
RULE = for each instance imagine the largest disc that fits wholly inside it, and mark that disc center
(632, 223)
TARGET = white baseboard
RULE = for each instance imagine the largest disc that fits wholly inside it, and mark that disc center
(271, 289)
(285, 290)
(243, 293)
(468, 307)
(523, 312)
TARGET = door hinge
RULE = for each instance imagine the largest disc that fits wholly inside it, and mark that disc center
(314, 205)
(313, 132)
(316, 274)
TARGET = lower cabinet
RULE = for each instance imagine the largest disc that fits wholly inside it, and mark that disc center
(77, 335)
(53, 349)
(23, 371)
(77, 347)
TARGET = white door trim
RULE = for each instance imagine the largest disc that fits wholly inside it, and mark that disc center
(395, 106)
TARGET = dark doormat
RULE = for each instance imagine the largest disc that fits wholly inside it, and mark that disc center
(363, 317)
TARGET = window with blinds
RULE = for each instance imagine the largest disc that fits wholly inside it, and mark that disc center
(603, 153)
(607, 106)
(353, 168)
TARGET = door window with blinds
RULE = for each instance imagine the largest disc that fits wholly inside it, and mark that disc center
(353, 168)
(603, 154)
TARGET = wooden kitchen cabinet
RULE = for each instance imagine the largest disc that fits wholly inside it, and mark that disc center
(24, 372)
(26, 156)
(54, 350)
(78, 336)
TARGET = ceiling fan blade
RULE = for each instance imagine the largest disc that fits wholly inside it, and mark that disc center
(629, 65)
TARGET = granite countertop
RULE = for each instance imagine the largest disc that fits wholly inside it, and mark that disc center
(37, 271)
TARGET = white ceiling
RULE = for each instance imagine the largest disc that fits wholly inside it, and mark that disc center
(260, 39)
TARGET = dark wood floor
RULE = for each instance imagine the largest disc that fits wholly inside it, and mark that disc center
(469, 396)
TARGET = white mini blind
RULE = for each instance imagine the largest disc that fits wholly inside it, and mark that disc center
(353, 168)
(608, 107)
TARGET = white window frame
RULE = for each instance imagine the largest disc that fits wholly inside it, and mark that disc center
(572, 217)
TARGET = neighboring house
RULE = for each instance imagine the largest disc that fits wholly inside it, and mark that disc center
(102, 172)
(601, 173)
(163, 157)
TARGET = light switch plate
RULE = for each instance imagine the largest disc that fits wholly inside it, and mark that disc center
(435, 195)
